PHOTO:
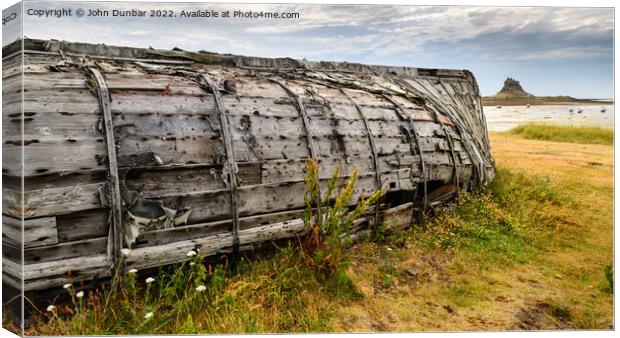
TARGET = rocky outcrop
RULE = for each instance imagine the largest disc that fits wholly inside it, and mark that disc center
(512, 87)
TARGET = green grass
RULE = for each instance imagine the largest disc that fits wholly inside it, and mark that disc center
(548, 132)
(279, 294)
(500, 225)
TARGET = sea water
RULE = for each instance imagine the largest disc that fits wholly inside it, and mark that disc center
(507, 117)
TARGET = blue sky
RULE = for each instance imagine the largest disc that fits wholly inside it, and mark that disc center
(551, 50)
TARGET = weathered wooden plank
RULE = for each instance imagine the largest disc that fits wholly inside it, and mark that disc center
(269, 106)
(11, 280)
(215, 205)
(169, 253)
(163, 236)
(118, 81)
(51, 157)
(51, 201)
(140, 102)
(399, 217)
(62, 251)
(282, 170)
(152, 183)
(10, 68)
(260, 87)
(51, 125)
(72, 270)
(52, 100)
(12, 250)
(35, 232)
(80, 225)
(167, 125)
(79, 101)
(286, 195)
(12, 273)
(173, 150)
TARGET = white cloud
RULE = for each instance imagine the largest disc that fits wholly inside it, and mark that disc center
(566, 53)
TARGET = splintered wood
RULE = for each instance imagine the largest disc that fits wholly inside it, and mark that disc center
(201, 150)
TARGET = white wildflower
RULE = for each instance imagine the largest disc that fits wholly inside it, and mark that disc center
(131, 271)
(67, 286)
(389, 249)
(191, 253)
(125, 252)
(51, 308)
(192, 263)
(201, 288)
(148, 315)
(150, 280)
(80, 294)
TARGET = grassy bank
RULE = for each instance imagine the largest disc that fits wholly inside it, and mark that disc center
(548, 132)
(531, 251)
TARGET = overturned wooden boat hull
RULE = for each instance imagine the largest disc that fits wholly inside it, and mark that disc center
(167, 151)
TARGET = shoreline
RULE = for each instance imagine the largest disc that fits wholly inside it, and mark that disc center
(507, 117)
(492, 101)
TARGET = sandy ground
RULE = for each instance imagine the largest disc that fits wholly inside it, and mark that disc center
(505, 118)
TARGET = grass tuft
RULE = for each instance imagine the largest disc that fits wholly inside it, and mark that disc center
(549, 132)
(503, 223)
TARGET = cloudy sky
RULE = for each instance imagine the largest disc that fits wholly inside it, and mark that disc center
(551, 50)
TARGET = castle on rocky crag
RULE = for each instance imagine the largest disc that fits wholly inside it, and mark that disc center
(512, 87)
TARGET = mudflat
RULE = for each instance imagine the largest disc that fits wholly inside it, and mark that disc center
(505, 118)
